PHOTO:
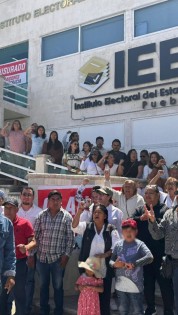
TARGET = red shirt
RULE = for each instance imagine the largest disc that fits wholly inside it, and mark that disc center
(23, 230)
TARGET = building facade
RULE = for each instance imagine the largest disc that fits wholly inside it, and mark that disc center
(99, 67)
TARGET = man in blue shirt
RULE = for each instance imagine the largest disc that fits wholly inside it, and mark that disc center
(7, 261)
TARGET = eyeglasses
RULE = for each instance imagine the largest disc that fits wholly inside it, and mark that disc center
(27, 195)
(142, 156)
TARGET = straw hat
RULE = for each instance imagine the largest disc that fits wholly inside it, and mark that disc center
(93, 264)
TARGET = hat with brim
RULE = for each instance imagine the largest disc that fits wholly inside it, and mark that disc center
(106, 191)
(92, 264)
(12, 202)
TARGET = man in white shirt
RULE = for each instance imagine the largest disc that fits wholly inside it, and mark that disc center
(29, 211)
(2, 197)
(99, 144)
(128, 200)
(115, 215)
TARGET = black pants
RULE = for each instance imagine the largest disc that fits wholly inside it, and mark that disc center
(151, 275)
(3, 302)
(106, 296)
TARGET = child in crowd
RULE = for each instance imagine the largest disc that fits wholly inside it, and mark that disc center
(90, 284)
(128, 258)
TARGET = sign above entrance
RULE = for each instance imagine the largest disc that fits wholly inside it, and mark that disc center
(15, 72)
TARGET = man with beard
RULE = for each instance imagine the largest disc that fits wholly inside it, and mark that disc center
(29, 211)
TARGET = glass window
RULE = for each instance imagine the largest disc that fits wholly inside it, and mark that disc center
(15, 52)
(156, 17)
(60, 44)
(102, 33)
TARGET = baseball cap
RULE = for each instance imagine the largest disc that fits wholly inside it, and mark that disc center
(129, 223)
(12, 201)
(96, 188)
(106, 191)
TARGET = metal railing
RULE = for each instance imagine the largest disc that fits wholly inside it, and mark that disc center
(15, 165)
(15, 94)
(57, 169)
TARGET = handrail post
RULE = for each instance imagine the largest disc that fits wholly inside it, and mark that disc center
(1, 102)
(41, 166)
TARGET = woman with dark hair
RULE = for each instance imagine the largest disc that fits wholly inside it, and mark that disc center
(99, 238)
(38, 139)
(71, 158)
(87, 146)
(16, 137)
(54, 148)
(74, 136)
(131, 167)
(90, 164)
(155, 163)
(106, 163)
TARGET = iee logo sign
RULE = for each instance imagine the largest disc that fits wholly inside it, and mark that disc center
(136, 63)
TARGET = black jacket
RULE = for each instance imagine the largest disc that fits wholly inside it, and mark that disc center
(88, 237)
(157, 247)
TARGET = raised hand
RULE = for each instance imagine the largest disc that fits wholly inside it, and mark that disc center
(150, 214)
(145, 216)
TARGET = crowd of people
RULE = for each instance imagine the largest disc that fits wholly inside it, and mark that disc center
(91, 159)
(128, 235)
(119, 234)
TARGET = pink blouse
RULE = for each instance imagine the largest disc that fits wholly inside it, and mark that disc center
(17, 141)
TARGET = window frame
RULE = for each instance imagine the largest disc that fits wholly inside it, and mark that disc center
(152, 33)
(55, 33)
(79, 26)
(101, 20)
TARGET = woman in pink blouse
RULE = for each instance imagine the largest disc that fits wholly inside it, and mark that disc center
(16, 137)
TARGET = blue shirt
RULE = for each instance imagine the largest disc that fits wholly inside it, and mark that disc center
(7, 248)
(37, 145)
(137, 253)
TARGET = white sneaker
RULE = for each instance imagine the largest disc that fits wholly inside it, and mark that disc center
(113, 305)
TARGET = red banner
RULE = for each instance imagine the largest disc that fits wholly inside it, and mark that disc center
(15, 72)
(69, 196)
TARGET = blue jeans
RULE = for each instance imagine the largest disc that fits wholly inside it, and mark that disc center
(175, 286)
(130, 302)
(19, 288)
(57, 274)
(30, 287)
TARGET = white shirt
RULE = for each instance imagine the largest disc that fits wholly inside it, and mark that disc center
(147, 171)
(112, 170)
(90, 167)
(115, 216)
(97, 245)
(165, 198)
(128, 206)
(30, 214)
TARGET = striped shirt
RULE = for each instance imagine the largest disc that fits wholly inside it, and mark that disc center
(54, 235)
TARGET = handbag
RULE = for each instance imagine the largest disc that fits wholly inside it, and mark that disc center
(167, 267)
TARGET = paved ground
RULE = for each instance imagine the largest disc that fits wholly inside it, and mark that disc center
(70, 307)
